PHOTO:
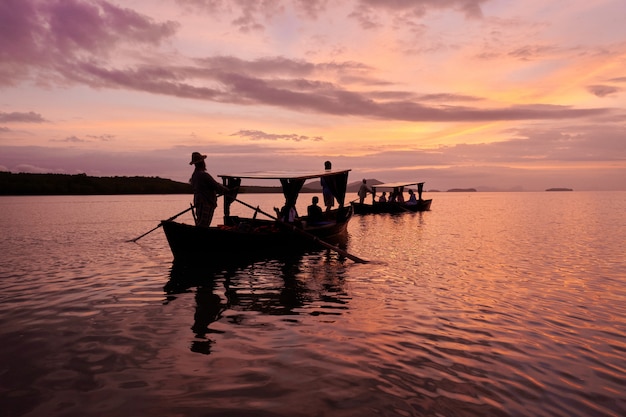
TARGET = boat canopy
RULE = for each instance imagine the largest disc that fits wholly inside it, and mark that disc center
(392, 185)
(292, 181)
(288, 175)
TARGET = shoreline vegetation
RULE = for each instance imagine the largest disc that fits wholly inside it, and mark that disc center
(24, 184)
(82, 184)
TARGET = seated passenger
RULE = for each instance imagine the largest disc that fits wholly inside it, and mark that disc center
(383, 197)
(314, 212)
(412, 198)
(400, 196)
(288, 213)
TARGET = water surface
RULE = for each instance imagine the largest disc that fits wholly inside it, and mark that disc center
(499, 304)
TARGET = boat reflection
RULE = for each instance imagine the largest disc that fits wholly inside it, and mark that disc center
(308, 283)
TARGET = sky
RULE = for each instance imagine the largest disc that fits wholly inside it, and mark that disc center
(490, 94)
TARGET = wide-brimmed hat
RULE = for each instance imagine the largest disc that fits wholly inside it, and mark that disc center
(197, 157)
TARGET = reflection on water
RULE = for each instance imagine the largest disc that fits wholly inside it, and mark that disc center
(491, 304)
(272, 286)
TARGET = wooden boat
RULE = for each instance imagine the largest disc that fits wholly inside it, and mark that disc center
(377, 207)
(240, 238)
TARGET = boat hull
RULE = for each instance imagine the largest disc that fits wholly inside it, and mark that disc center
(243, 238)
(387, 207)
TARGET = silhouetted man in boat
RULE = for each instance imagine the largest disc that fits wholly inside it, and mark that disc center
(420, 188)
(329, 199)
(288, 213)
(363, 190)
(205, 190)
(314, 212)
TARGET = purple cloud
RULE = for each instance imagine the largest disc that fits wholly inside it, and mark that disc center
(252, 15)
(17, 117)
(366, 11)
(69, 41)
(463, 165)
(302, 94)
(70, 139)
(38, 35)
(260, 135)
(603, 90)
(103, 138)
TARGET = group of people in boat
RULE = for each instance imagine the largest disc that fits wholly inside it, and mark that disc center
(289, 214)
(397, 196)
(206, 190)
(315, 214)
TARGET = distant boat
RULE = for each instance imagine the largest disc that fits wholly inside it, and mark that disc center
(559, 189)
(241, 237)
(377, 207)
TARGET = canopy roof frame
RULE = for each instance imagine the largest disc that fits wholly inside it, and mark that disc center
(392, 185)
(285, 175)
(291, 183)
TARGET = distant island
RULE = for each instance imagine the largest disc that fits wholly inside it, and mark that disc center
(559, 189)
(462, 190)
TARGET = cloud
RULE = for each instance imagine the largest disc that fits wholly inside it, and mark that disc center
(448, 97)
(471, 8)
(70, 42)
(368, 12)
(70, 139)
(254, 15)
(37, 35)
(534, 52)
(18, 117)
(250, 15)
(603, 90)
(103, 138)
(306, 95)
(259, 135)
(536, 158)
(31, 169)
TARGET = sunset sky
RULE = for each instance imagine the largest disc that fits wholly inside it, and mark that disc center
(457, 93)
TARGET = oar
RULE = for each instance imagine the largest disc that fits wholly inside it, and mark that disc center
(307, 234)
(160, 224)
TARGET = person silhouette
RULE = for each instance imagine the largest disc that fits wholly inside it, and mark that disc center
(314, 212)
(329, 199)
(205, 190)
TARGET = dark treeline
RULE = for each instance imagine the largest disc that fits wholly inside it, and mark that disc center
(81, 184)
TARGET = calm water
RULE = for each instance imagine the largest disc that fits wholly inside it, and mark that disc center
(491, 304)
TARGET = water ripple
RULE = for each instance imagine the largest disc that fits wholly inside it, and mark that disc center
(487, 305)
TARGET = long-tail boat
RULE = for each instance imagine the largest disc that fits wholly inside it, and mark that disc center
(242, 237)
(392, 203)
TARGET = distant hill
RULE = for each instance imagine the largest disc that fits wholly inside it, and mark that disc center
(559, 189)
(81, 184)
